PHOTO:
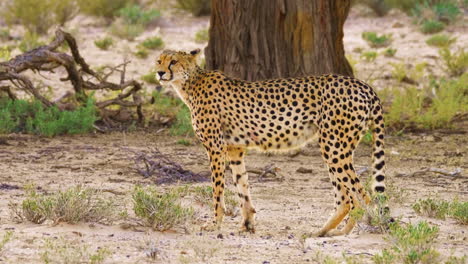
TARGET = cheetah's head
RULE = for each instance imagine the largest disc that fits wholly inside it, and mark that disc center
(175, 65)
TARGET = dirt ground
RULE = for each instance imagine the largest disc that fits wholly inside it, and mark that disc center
(287, 207)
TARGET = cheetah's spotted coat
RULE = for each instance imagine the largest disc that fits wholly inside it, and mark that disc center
(230, 115)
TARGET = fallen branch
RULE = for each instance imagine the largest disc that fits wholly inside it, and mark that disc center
(453, 174)
(83, 79)
(269, 170)
(163, 168)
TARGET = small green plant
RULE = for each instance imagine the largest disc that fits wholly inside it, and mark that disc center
(33, 15)
(441, 41)
(104, 43)
(455, 63)
(103, 8)
(71, 251)
(410, 244)
(202, 36)
(367, 138)
(389, 52)
(184, 142)
(432, 208)
(160, 211)
(141, 52)
(431, 26)
(369, 56)
(153, 43)
(73, 205)
(196, 7)
(30, 41)
(183, 124)
(150, 78)
(376, 41)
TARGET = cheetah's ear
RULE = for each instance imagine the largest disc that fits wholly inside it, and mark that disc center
(195, 52)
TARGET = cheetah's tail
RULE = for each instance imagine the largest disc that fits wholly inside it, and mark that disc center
(378, 157)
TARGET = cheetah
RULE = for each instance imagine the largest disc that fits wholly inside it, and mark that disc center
(231, 115)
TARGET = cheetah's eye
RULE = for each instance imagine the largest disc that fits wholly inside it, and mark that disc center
(173, 62)
(159, 61)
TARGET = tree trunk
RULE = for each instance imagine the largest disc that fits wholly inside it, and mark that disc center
(263, 39)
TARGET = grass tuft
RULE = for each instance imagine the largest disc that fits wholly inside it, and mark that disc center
(104, 43)
(431, 26)
(441, 41)
(76, 204)
(71, 251)
(196, 7)
(369, 56)
(160, 211)
(376, 41)
(153, 43)
(202, 36)
(456, 63)
(150, 78)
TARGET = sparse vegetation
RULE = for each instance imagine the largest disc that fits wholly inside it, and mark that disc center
(104, 43)
(30, 41)
(75, 204)
(153, 43)
(389, 52)
(126, 31)
(141, 52)
(441, 209)
(160, 211)
(196, 7)
(369, 56)
(71, 252)
(201, 36)
(410, 244)
(103, 8)
(5, 239)
(413, 107)
(204, 195)
(39, 16)
(184, 142)
(34, 118)
(455, 63)
(136, 15)
(177, 110)
(440, 40)
(376, 41)
(150, 78)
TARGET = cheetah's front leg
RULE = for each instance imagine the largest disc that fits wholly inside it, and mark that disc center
(240, 179)
(217, 164)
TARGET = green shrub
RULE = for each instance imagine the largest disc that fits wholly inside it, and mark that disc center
(431, 26)
(376, 41)
(369, 55)
(104, 43)
(73, 205)
(160, 211)
(103, 8)
(440, 40)
(150, 78)
(184, 142)
(22, 116)
(134, 14)
(455, 63)
(380, 7)
(196, 7)
(389, 52)
(410, 244)
(64, 10)
(442, 11)
(202, 36)
(183, 124)
(126, 31)
(29, 42)
(153, 43)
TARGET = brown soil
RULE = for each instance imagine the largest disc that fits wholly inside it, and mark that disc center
(287, 208)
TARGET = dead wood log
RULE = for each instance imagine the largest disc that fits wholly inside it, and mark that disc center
(83, 79)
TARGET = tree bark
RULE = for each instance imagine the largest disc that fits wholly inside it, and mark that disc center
(263, 39)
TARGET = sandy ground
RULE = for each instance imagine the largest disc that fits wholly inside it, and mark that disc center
(288, 208)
